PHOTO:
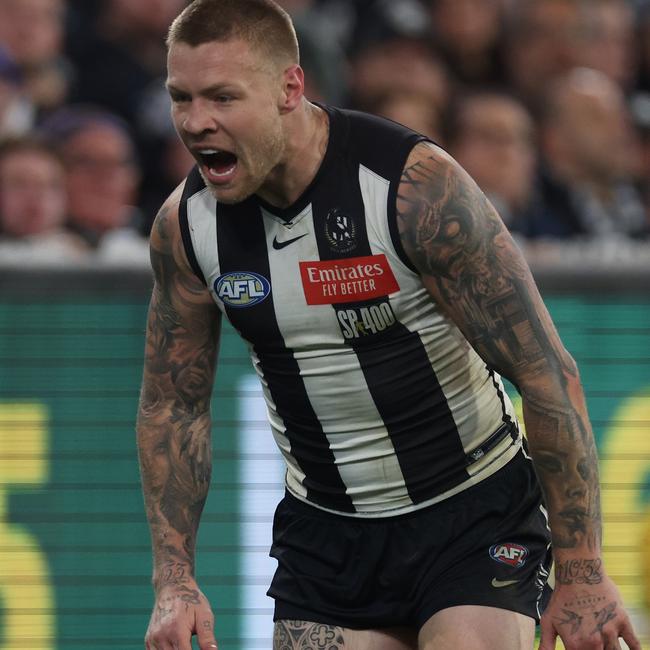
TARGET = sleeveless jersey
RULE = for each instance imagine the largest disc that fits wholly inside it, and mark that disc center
(376, 400)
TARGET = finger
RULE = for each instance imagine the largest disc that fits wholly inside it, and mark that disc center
(162, 643)
(183, 644)
(207, 640)
(612, 644)
(629, 637)
(547, 636)
(205, 633)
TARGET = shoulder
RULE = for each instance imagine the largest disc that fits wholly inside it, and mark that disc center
(166, 239)
(376, 142)
(433, 176)
(443, 216)
(429, 158)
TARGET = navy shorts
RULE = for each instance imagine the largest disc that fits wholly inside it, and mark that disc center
(489, 545)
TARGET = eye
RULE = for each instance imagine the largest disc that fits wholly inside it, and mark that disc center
(223, 99)
(178, 98)
(550, 463)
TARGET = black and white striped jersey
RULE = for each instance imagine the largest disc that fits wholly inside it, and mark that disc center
(376, 400)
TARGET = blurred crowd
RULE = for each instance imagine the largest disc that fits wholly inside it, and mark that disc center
(545, 102)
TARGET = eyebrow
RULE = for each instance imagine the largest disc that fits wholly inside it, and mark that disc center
(205, 91)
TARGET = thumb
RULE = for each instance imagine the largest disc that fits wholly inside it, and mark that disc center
(548, 635)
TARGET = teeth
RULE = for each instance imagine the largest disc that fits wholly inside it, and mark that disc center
(208, 152)
(219, 174)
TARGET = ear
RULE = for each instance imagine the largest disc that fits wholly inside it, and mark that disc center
(293, 88)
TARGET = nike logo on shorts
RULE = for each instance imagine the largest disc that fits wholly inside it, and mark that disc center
(279, 245)
(503, 583)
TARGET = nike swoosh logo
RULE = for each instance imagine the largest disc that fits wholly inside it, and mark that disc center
(503, 583)
(279, 245)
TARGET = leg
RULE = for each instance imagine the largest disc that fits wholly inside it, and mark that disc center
(301, 635)
(472, 627)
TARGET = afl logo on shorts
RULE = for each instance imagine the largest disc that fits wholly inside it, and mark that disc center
(243, 289)
(512, 554)
(340, 231)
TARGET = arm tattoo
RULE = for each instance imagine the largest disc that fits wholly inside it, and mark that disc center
(174, 417)
(477, 275)
(300, 635)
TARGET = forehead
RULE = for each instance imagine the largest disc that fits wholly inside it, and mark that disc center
(30, 160)
(212, 63)
(500, 110)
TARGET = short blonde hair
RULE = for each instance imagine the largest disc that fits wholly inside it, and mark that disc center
(261, 23)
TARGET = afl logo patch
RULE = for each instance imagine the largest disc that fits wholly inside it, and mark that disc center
(340, 231)
(512, 554)
(242, 289)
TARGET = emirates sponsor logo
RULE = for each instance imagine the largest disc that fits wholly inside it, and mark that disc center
(347, 280)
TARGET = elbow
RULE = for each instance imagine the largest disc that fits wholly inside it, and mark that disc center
(559, 375)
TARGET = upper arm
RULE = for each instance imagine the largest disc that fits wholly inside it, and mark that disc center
(183, 326)
(472, 267)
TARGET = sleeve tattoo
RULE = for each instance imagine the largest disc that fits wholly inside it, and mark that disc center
(174, 414)
(475, 272)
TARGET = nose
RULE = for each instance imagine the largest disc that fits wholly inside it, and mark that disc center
(576, 488)
(197, 120)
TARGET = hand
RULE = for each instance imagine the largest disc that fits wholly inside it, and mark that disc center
(180, 611)
(587, 617)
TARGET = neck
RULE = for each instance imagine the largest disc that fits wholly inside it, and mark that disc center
(307, 138)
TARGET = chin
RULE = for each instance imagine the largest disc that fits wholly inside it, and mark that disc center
(229, 196)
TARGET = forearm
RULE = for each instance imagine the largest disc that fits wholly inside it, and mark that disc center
(565, 458)
(175, 464)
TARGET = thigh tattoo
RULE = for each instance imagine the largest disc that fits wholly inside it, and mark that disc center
(301, 635)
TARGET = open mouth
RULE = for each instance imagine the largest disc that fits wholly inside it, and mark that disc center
(219, 165)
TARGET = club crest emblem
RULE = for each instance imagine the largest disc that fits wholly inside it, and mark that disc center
(340, 231)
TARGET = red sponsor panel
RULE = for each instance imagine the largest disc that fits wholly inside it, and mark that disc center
(352, 279)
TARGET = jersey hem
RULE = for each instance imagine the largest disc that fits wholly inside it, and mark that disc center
(491, 467)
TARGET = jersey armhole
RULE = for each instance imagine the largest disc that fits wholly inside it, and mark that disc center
(392, 207)
(189, 189)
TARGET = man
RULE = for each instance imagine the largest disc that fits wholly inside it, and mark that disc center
(361, 265)
(591, 162)
(33, 205)
(492, 136)
(545, 39)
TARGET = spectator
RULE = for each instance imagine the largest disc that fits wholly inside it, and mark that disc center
(643, 41)
(121, 67)
(412, 109)
(592, 161)
(492, 135)
(33, 31)
(16, 111)
(468, 33)
(322, 58)
(392, 53)
(545, 40)
(381, 68)
(611, 41)
(102, 177)
(33, 205)
(641, 114)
